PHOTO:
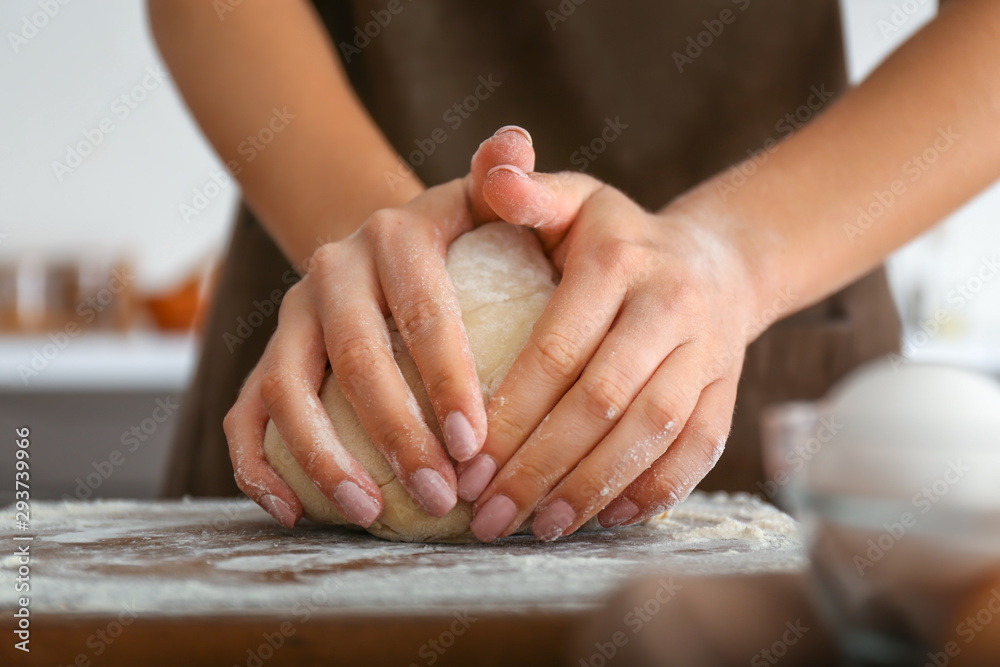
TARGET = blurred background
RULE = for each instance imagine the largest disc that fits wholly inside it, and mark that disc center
(115, 212)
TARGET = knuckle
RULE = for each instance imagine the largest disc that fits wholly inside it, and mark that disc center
(537, 473)
(605, 398)
(275, 386)
(324, 258)
(442, 386)
(229, 424)
(382, 223)
(505, 428)
(558, 354)
(418, 319)
(595, 489)
(711, 443)
(398, 442)
(355, 358)
(619, 255)
(663, 412)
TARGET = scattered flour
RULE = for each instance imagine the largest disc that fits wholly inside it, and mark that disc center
(227, 556)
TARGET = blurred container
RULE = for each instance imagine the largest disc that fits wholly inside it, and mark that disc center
(39, 295)
(183, 307)
(896, 478)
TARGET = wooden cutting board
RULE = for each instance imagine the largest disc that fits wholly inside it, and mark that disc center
(218, 582)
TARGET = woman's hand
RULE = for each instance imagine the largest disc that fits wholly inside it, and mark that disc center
(623, 397)
(394, 263)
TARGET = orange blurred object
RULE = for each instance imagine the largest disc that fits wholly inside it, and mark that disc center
(183, 308)
(975, 629)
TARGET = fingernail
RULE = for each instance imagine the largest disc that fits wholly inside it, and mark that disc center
(507, 167)
(494, 517)
(618, 512)
(475, 477)
(278, 509)
(433, 492)
(358, 506)
(460, 437)
(515, 128)
(553, 521)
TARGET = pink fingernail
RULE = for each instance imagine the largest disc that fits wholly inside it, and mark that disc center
(460, 437)
(358, 507)
(492, 520)
(475, 477)
(553, 521)
(618, 512)
(515, 128)
(507, 167)
(433, 492)
(278, 509)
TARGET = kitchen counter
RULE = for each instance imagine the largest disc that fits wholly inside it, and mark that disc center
(218, 582)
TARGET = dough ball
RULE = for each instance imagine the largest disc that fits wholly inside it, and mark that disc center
(503, 280)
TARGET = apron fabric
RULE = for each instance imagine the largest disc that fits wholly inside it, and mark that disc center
(651, 97)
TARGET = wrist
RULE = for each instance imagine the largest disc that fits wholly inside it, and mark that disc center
(753, 255)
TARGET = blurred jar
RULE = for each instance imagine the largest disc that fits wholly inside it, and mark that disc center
(895, 479)
(39, 294)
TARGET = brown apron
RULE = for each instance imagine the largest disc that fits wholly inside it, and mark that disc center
(650, 96)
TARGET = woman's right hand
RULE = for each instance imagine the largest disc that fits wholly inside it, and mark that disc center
(394, 263)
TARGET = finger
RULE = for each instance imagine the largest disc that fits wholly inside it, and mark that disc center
(424, 304)
(245, 425)
(647, 430)
(585, 415)
(675, 474)
(360, 351)
(547, 202)
(567, 334)
(509, 145)
(292, 369)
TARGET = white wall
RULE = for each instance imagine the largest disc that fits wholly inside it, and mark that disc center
(125, 196)
(66, 79)
(945, 260)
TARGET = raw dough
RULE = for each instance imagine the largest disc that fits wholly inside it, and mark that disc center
(503, 280)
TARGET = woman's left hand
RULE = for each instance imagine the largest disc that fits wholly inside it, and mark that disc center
(623, 397)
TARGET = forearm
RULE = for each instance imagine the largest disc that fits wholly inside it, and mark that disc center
(267, 71)
(890, 159)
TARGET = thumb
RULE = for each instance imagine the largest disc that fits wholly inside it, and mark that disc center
(547, 202)
(508, 145)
